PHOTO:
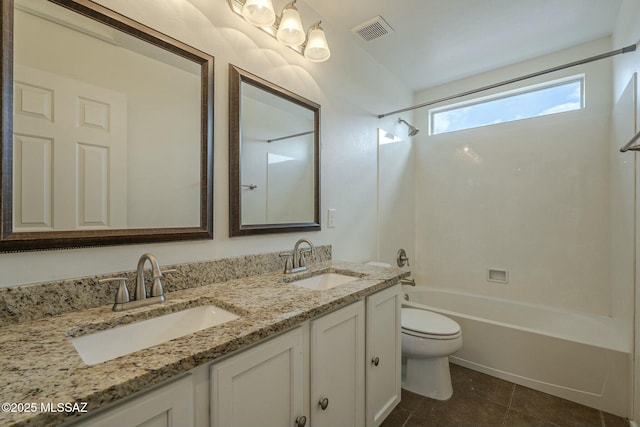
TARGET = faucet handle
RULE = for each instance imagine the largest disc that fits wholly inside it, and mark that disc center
(288, 262)
(302, 261)
(122, 294)
(157, 290)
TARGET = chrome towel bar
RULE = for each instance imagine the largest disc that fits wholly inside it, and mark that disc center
(628, 145)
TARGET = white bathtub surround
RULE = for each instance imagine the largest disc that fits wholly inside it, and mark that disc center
(531, 197)
(550, 200)
(580, 357)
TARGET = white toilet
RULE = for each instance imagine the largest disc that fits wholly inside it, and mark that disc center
(427, 341)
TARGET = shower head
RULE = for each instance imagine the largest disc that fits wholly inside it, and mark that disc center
(412, 129)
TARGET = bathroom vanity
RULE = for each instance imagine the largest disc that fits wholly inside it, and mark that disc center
(293, 356)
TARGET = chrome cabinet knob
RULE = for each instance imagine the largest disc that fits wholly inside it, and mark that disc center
(301, 421)
(375, 361)
(324, 403)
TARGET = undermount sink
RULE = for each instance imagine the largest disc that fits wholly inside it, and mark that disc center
(324, 281)
(119, 341)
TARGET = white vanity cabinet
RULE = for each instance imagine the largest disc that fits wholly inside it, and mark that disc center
(353, 357)
(337, 368)
(169, 405)
(261, 386)
(341, 369)
(383, 354)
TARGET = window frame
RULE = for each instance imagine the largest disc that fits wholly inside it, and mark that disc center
(575, 78)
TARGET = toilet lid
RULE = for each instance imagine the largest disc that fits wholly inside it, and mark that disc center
(427, 322)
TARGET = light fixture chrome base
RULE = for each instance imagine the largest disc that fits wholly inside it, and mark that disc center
(237, 5)
(314, 47)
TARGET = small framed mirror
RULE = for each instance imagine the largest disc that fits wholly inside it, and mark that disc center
(106, 130)
(274, 153)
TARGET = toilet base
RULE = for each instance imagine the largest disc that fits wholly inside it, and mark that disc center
(429, 377)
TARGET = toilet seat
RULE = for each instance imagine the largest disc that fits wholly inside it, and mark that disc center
(427, 324)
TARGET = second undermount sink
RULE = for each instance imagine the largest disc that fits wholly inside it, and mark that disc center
(325, 281)
(106, 345)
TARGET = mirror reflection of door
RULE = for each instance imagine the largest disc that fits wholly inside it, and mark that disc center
(122, 114)
(70, 141)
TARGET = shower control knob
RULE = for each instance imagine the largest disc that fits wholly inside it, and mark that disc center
(375, 361)
(301, 421)
(324, 403)
(402, 258)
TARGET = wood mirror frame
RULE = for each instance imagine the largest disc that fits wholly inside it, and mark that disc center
(237, 77)
(25, 241)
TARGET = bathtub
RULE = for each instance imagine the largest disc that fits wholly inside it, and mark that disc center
(583, 358)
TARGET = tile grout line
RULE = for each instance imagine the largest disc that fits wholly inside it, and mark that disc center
(513, 392)
(506, 414)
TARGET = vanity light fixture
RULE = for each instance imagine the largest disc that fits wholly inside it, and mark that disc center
(286, 28)
(259, 13)
(317, 48)
(290, 30)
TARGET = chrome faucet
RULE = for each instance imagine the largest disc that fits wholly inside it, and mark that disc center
(140, 298)
(141, 290)
(299, 261)
(408, 282)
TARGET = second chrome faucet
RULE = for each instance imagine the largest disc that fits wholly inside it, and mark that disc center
(140, 297)
(296, 261)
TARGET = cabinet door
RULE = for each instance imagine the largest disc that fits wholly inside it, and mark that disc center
(167, 406)
(262, 386)
(337, 368)
(383, 354)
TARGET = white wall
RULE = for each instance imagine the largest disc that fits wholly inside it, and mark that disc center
(627, 31)
(395, 195)
(529, 196)
(351, 88)
(622, 200)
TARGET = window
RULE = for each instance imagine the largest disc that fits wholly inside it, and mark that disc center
(531, 101)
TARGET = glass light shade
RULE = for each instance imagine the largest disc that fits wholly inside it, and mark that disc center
(317, 49)
(259, 13)
(290, 31)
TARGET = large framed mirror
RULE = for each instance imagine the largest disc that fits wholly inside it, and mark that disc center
(106, 130)
(274, 153)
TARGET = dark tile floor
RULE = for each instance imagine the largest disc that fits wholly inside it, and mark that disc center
(482, 400)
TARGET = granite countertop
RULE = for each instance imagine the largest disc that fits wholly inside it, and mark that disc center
(40, 365)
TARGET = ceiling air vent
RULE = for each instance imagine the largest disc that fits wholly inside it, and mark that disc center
(373, 29)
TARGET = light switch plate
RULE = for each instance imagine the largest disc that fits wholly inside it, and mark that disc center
(331, 218)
